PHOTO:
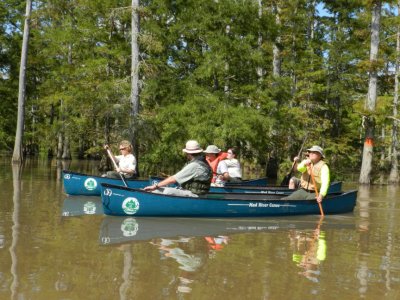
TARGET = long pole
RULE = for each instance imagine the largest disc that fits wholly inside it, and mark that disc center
(116, 167)
(316, 191)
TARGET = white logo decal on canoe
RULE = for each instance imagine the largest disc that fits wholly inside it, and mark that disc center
(67, 176)
(130, 205)
(107, 192)
(129, 227)
(90, 184)
(89, 208)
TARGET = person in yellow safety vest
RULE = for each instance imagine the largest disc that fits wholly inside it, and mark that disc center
(315, 165)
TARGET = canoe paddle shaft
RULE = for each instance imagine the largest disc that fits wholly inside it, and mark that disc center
(116, 166)
(316, 191)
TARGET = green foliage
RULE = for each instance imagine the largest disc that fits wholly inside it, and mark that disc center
(200, 64)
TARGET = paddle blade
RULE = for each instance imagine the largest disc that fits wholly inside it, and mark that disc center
(285, 181)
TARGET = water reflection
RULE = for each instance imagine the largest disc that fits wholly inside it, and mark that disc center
(115, 230)
(16, 172)
(81, 205)
(188, 262)
(309, 250)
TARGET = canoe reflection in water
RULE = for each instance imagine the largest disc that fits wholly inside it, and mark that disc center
(81, 205)
(309, 251)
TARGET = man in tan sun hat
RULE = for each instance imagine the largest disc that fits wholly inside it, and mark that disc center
(316, 166)
(194, 178)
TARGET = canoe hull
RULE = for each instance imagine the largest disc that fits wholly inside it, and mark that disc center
(86, 185)
(122, 201)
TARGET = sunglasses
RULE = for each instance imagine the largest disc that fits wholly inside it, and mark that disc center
(122, 148)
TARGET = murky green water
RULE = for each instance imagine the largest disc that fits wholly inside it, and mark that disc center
(58, 247)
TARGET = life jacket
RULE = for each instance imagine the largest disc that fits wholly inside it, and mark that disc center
(306, 181)
(214, 164)
(213, 244)
(195, 185)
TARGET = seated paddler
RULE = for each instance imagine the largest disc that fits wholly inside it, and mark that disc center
(194, 178)
(314, 166)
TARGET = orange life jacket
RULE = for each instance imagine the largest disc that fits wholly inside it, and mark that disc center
(214, 164)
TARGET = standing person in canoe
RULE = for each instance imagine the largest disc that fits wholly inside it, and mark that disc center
(126, 162)
(214, 156)
(194, 178)
(315, 176)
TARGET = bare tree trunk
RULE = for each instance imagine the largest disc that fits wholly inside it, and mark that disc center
(276, 63)
(135, 102)
(66, 149)
(260, 70)
(226, 67)
(18, 155)
(366, 166)
(60, 146)
(394, 172)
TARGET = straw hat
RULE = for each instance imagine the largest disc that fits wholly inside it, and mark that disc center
(192, 146)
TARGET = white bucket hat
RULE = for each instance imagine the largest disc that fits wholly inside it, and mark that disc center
(317, 149)
(212, 149)
(192, 146)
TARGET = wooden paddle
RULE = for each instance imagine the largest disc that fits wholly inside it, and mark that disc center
(285, 181)
(316, 191)
(116, 166)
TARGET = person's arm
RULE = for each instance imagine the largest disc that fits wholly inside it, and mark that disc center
(296, 160)
(223, 171)
(165, 182)
(108, 149)
(302, 167)
(325, 181)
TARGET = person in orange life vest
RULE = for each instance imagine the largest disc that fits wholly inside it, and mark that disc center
(216, 243)
(319, 169)
(213, 157)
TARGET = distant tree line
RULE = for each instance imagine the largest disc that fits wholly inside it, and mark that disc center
(255, 74)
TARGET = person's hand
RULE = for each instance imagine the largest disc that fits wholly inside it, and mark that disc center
(307, 162)
(319, 198)
(151, 187)
(296, 159)
(106, 147)
(119, 170)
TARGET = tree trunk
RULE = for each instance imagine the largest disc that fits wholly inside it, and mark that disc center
(394, 172)
(135, 78)
(59, 145)
(18, 155)
(276, 63)
(260, 71)
(66, 149)
(366, 166)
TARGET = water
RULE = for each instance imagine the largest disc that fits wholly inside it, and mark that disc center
(57, 247)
